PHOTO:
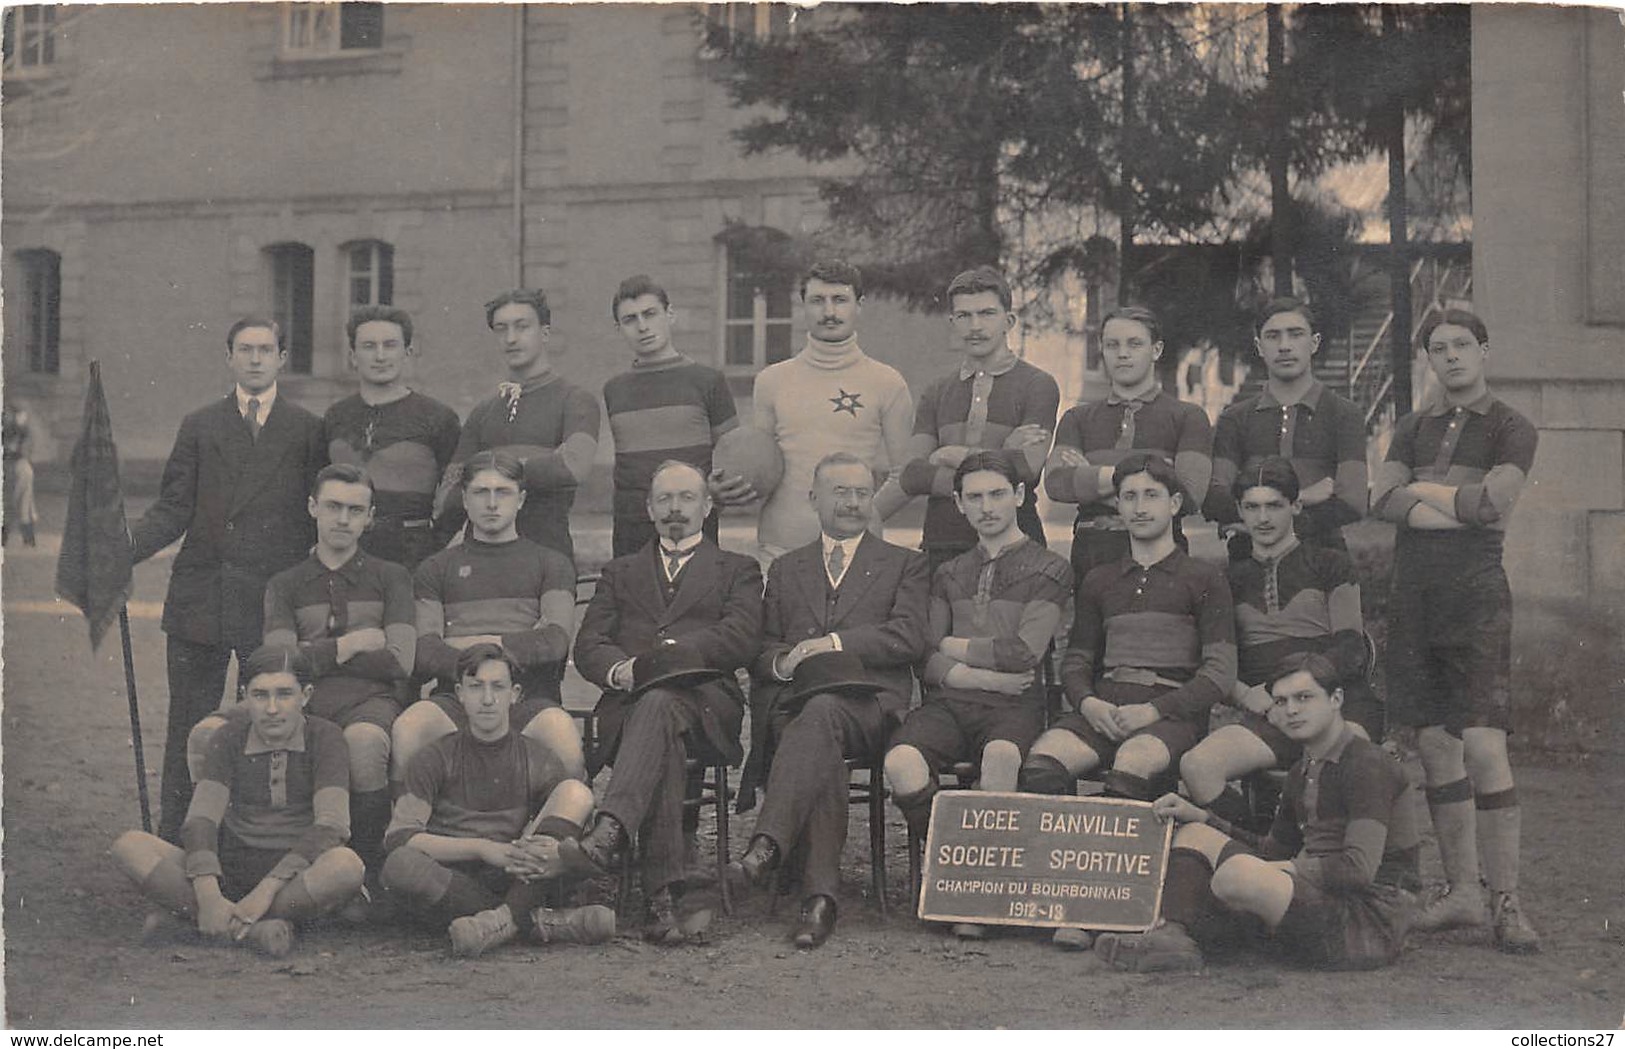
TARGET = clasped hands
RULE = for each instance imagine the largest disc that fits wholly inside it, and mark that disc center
(1114, 722)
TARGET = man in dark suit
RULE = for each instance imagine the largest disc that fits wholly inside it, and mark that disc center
(680, 591)
(850, 593)
(236, 486)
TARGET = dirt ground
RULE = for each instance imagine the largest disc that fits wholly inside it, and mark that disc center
(71, 923)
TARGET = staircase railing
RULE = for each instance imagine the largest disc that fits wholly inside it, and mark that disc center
(1436, 284)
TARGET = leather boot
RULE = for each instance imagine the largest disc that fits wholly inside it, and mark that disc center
(753, 869)
(598, 851)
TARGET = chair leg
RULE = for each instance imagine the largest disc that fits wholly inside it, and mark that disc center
(877, 835)
(721, 792)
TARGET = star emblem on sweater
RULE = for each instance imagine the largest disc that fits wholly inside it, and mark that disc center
(847, 402)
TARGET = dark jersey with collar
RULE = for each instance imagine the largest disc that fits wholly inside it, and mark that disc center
(1308, 600)
(462, 787)
(404, 445)
(1162, 424)
(1485, 450)
(671, 409)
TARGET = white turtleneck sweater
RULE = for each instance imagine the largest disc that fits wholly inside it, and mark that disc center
(830, 397)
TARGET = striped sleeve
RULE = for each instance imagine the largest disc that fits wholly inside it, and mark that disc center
(548, 641)
(1370, 789)
(1063, 483)
(1214, 678)
(200, 834)
(1491, 500)
(1220, 505)
(1350, 490)
(1085, 644)
(425, 777)
(432, 657)
(719, 406)
(941, 623)
(1389, 499)
(1193, 456)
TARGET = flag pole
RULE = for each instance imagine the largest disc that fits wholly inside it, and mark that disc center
(135, 717)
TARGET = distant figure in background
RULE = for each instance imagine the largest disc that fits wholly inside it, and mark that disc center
(992, 400)
(237, 486)
(830, 397)
(1320, 432)
(540, 418)
(666, 407)
(404, 439)
(17, 432)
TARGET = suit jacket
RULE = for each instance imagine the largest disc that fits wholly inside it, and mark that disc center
(881, 611)
(717, 609)
(241, 504)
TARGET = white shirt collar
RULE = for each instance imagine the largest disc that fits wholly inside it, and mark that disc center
(849, 547)
(266, 398)
(683, 547)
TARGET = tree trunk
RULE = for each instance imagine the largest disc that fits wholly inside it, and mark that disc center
(1393, 119)
(1275, 122)
(1126, 144)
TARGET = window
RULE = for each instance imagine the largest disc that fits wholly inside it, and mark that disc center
(40, 323)
(325, 29)
(371, 273)
(293, 284)
(756, 316)
(30, 39)
(759, 21)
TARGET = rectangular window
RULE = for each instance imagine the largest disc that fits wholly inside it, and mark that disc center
(757, 21)
(372, 273)
(325, 29)
(41, 308)
(30, 39)
(757, 319)
(293, 285)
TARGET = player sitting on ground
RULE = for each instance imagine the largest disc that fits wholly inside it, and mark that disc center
(264, 836)
(495, 587)
(460, 849)
(1291, 596)
(1327, 882)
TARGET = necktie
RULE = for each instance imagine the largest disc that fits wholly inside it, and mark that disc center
(674, 561)
(252, 417)
(837, 564)
(1125, 435)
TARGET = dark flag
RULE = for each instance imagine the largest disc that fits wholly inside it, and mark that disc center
(93, 570)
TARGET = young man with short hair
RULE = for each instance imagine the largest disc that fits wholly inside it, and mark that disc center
(499, 588)
(666, 407)
(1153, 647)
(237, 486)
(351, 615)
(993, 400)
(1137, 416)
(994, 613)
(830, 397)
(1296, 417)
(403, 438)
(540, 418)
(263, 842)
(851, 593)
(1451, 479)
(1291, 597)
(464, 847)
(1328, 882)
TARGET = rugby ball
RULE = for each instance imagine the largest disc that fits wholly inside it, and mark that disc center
(751, 454)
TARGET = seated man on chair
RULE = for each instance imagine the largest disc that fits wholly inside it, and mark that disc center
(855, 606)
(264, 836)
(1291, 596)
(496, 587)
(464, 848)
(1328, 882)
(993, 615)
(1153, 647)
(680, 604)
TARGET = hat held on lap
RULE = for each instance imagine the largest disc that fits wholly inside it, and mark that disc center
(672, 664)
(841, 672)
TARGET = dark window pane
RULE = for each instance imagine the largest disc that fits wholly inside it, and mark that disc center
(361, 259)
(739, 346)
(361, 26)
(386, 275)
(778, 343)
(293, 269)
(741, 297)
(360, 291)
(778, 300)
(42, 276)
(10, 43)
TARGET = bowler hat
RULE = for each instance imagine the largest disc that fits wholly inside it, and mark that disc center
(672, 664)
(831, 672)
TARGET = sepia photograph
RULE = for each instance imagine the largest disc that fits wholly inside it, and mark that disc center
(845, 516)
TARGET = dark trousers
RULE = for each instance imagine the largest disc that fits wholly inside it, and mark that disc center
(647, 784)
(807, 795)
(197, 676)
